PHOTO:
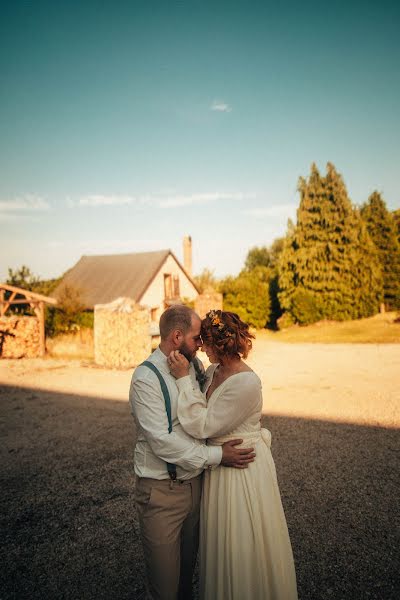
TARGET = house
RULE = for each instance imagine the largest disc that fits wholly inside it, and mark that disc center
(154, 279)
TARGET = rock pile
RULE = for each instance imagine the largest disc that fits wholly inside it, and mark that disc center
(121, 334)
(19, 337)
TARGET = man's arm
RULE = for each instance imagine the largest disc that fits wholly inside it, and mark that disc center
(148, 408)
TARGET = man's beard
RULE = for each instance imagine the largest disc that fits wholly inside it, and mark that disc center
(186, 352)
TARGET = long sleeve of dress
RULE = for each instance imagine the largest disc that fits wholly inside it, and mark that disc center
(149, 411)
(239, 397)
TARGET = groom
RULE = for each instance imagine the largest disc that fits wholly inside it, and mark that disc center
(168, 498)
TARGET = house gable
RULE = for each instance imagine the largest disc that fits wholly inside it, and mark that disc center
(155, 294)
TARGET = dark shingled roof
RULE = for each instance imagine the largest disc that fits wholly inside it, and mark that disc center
(102, 279)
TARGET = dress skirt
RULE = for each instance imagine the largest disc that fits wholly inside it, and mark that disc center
(245, 551)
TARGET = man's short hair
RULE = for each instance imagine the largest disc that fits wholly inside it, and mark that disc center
(177, 316)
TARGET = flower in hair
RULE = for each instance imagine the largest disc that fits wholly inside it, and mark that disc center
(217, 322)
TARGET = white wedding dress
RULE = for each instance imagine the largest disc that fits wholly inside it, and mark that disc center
(245, 551)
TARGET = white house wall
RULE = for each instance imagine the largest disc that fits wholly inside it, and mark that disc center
(154, 295)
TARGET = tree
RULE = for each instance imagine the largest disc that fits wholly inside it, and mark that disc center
(206, 281)
(264, 256)
(248, 295)
(69, 313)
(329, 266)
(22, 278)
(257, 257)
(396, 217)
(382, 230)
(268, 257)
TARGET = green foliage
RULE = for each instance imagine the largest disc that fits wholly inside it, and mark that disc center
(264, 256)
(257, 257)
(69, 313)
(329, 266)
(285, 321)
(268, 257)
(382, 230)
(23, 278)
(396, 217)
(206, 281)
(304, 308)
(248, 295)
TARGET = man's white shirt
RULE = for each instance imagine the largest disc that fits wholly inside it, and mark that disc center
(155, 446)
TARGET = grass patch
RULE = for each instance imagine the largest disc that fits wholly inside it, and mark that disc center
(79, 345)
(380, 329)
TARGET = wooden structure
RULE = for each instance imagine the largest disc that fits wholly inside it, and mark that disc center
(35, 301)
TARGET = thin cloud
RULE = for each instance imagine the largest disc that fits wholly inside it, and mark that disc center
(93, 201)
(276, 210)
(190, 199)
(219, 106)
(24, 204)
(159, 201)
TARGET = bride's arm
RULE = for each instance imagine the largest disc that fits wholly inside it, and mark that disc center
(239, 398)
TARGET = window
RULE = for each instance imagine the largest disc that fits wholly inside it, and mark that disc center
(176, 286)
(167, 285)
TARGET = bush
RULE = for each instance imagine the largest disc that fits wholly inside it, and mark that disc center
(304, 307)
(69, 314)
(285, 321)
(248, 296)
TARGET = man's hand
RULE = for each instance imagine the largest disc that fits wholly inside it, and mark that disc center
(178, 364)
(236, 457)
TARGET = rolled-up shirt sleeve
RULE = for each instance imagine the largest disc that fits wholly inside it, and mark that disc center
(239, 398)
(148, 409)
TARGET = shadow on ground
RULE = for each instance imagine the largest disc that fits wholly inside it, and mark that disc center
(68, 524)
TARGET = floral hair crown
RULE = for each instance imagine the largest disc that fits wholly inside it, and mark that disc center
(216, 321)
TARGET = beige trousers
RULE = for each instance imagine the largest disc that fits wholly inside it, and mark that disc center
(169, 525)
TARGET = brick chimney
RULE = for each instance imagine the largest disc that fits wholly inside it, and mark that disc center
(187, 254)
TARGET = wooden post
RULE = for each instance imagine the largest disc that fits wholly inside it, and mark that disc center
(41, 329)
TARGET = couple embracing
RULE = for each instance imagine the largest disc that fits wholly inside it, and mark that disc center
(204, 469)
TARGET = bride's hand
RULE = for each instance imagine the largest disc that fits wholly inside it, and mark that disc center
(178, 364)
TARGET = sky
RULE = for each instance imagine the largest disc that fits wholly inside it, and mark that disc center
(126, 125)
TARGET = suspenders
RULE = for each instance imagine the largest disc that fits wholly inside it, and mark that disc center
(171, 468)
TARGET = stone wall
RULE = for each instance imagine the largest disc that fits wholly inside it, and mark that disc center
(19, 337)
(206, 302)
(121, 334)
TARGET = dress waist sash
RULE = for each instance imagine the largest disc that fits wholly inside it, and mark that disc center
(250, 438)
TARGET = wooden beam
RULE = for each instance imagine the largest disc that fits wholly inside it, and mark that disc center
(27, 293)
(24, 301)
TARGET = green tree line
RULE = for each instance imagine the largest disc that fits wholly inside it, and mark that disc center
(336, 262)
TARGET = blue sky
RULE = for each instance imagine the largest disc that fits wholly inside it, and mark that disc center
(126, 125)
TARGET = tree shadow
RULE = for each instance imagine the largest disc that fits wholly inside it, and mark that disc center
(69, 526)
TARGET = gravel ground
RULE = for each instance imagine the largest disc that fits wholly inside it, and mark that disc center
(68, 524)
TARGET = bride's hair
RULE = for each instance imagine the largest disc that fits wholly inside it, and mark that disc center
(226, 333)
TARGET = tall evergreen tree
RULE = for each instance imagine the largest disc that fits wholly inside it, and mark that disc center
(381, 227)
(396, 217)
(329, 266)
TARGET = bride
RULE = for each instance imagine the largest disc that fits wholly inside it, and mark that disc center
(245, 549)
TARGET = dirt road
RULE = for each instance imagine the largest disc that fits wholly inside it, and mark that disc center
(68, 523)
